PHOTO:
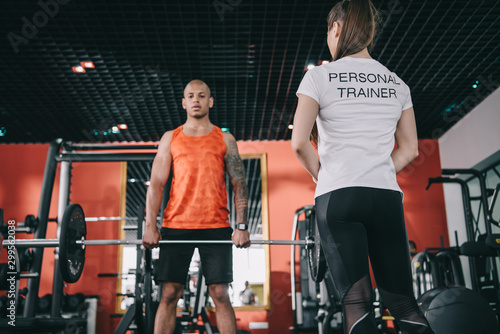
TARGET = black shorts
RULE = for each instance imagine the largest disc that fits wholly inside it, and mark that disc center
(216, 259)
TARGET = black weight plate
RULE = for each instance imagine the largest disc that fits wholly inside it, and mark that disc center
(315, 255)
(71, 255)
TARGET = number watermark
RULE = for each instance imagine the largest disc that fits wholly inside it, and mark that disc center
(11, 273)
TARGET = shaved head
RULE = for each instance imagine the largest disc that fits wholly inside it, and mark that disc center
(199, 84)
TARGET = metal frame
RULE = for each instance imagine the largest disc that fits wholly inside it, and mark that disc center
(64, 191)
(41, 231)
(469, 222)
(292, 254)
(66, 153)
(483, 206)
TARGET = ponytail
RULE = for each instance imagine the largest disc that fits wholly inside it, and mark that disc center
(357, 20)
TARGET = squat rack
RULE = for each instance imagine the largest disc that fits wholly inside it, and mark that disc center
(471, 222)
(66, 153)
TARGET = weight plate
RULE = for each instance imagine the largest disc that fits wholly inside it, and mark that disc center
(315, 255)
(71, 255)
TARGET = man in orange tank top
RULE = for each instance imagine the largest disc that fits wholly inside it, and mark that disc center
(199, 154)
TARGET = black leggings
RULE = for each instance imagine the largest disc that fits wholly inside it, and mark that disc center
(356, 223)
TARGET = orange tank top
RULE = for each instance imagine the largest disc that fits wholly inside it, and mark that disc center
(198, 196)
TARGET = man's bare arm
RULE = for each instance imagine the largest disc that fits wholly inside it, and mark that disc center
(236, 172)
(159, 176)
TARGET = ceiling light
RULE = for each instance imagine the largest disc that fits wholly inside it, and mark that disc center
(325, 62)
(78, 69)
(87, 64)
(122, 126)
(290, 126)
(309, 67)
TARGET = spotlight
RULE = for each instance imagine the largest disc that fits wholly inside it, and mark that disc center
(78, 69)
(87, 64)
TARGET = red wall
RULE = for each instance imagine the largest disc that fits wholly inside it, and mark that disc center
(425, 213)
(97, 187)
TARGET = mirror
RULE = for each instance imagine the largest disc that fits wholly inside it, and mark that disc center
(250, 266)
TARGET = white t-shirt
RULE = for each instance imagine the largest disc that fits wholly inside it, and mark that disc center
(360, 103)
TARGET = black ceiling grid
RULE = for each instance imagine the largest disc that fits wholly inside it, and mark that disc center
(253, 55)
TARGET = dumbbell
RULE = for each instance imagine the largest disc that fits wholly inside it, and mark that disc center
(25, 259)
(43, 304)
(28, 226)
(72, 302)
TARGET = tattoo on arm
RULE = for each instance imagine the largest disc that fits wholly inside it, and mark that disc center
(236, 171)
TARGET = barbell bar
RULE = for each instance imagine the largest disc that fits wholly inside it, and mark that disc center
(72, 243)
(26, 243)
(97, 219)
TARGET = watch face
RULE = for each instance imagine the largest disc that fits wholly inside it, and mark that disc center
(242, 227)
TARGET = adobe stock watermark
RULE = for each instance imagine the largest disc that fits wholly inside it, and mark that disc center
(29, 28)
(151, 82)
(11, 273)
(393, 7)
(131, 100)
(73, 325)
(469, 103)
(100, 132)
(426, 149)
(277, 127)
(222, 6)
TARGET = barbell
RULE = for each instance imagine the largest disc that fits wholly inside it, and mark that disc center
(72, 243)
(30, 223)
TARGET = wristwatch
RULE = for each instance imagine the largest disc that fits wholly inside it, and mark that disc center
(242, 226)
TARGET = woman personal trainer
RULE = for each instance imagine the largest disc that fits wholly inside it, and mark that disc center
(360, 108)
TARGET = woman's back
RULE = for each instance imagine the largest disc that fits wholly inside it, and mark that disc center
(360, 103)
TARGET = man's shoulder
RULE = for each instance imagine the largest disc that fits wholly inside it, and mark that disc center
(227, 137)
(167, 136)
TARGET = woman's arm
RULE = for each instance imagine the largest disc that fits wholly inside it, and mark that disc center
(407, 140)
(303, 122)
